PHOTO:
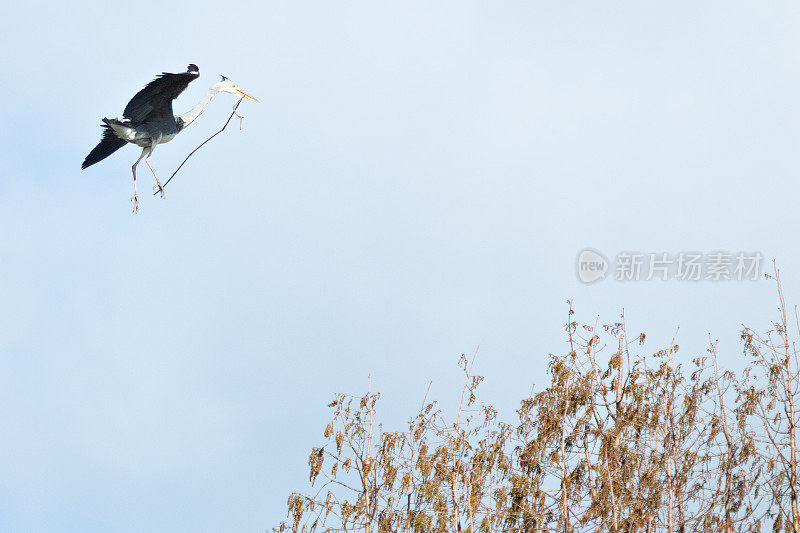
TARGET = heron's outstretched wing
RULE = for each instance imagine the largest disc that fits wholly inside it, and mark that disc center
(155, 100)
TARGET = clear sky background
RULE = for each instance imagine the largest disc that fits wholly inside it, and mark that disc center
(418, 179)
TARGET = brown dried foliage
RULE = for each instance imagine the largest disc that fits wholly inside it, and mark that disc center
(624, 442)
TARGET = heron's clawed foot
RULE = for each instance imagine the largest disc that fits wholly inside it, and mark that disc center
(159, 188)
(135, 200)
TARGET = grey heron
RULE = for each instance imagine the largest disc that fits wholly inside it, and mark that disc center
(148, 119)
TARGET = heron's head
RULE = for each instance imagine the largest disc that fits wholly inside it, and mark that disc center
(227, 86)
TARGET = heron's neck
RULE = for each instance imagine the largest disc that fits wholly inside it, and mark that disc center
(201, 106)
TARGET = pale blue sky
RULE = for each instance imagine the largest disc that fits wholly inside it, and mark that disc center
(417, 180)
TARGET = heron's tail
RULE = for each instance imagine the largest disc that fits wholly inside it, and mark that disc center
(109, 144)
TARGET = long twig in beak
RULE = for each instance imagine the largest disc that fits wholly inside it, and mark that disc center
(204, 142)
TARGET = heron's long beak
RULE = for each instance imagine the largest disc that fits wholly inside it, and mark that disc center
(245, 95)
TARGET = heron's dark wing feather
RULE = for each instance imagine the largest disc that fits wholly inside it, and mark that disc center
(109, 144)
(155, 100)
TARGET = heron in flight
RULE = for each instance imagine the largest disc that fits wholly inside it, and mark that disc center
(148, 119)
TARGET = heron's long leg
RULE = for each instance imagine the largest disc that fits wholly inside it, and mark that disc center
(158, 186)
(135, 197)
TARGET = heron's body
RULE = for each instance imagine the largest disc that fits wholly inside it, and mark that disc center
(144, 134)
(148, 119)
